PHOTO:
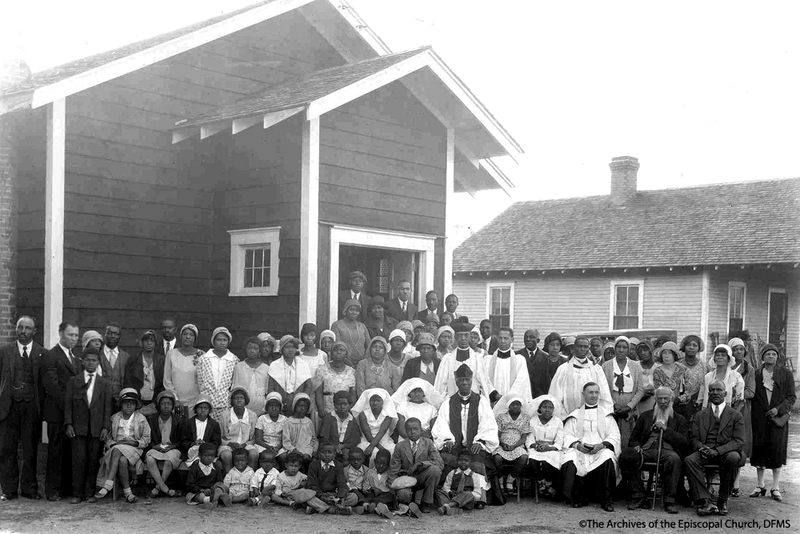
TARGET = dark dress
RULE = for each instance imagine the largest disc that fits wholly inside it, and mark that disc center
(769, 440)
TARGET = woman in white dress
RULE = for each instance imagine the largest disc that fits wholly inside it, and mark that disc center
(545, 441)
(417, 398)
(180, 369)
(377, 419)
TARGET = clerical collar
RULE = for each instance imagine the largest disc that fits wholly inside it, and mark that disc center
(590, 407)
(464, 400)
(503, 353)
(462, 355)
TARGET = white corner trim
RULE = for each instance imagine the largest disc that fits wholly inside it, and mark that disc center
(149, 56)
(309, 221)
(449, 210)
(54, 220)
(240, 240)
(613, 297)
(374, 238)
(705, 297)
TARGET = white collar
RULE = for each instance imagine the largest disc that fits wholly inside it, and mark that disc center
(206, 469)
(65, 349)
(618, 371)
(467, 472)
(721, 407)
(245, 417)
(107, 350)
(29, 346)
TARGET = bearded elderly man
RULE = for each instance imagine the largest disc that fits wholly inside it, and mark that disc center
(592, 442)
(660, 426)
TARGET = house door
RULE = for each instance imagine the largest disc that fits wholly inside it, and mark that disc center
(778, 309)
(384, 268)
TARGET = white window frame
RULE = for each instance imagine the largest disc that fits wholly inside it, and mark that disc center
(612, 306)
(743, 287)
(500, 285)
(241, 240)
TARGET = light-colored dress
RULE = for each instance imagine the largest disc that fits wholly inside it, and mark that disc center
(180, 376)
(385, 376)
(237, 430)
(332, 381)
(510, 431)
(214, 378)
(424, 411)
(135, 427)
(314, 362)
(374, 423)
(734, 387)
(255, 381)
(405, 356)
(298, 434)
(553, 433)
(271, 432)
(355, 338)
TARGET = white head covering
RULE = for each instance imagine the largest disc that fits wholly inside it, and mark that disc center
(622, 338)
(736, 342)
(727, 349)
(397, 333)
(327, 333)
(432, 395)
(442, 330)
(532, 409)
(362, 404)
(505, 401)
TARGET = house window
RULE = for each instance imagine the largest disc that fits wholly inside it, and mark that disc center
(500, 300)
(736, 296)
(254, 262)
(626, 305)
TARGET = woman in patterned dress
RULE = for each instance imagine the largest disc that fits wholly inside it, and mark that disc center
(376, 371)
(333, 376)
(215, 372)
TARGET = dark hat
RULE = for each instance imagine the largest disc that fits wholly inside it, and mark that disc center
(357, 274)
(240, 389)
(426, 339)
(769, 346)
(463, 371)
(461, 327)
(376, 301)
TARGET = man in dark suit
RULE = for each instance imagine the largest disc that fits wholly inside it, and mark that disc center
(114, 357)
(489, 343)
(61, 365)
(417, 457)
(87, 422)
(401, 307)
(531, 351)
(20, 411)
(427, 365)
(717, 438)
(169, 328)
(432, 308)
(357, 283)
(643, 447)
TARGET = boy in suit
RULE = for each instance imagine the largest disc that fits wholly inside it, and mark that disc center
(462, 487)
(87, 422)
(417, 457)
(332, 424)
(326, 477)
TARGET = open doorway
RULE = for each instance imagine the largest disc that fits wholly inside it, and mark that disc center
(384, 257)
(384, 268)
(777, 317)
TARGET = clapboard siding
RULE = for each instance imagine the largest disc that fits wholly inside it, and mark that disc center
(374, 170)
(568, 302)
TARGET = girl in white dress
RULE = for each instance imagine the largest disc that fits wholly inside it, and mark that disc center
(377, 419)
(545, 441)
(418, 398)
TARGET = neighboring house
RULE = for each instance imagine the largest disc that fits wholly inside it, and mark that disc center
(715, 258)
(230, 172)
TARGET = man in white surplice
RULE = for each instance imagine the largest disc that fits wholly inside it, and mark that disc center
(508, 371)
(445, 382)
(567, 384)
(592, 447)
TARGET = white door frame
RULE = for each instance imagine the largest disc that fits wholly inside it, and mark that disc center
(373, 238)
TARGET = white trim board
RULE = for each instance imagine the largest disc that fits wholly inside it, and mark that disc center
(54, 220)
(373, 238)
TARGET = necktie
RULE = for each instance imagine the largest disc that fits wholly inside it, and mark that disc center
(88, 384)
(325, 467)
(414, 452)
(404, 306)
(461, 481)
(25, 352)
(619, 382)
(716, 411)
(72, 360)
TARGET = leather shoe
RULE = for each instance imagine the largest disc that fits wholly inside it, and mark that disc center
(425, 508)
(75, 500)
(608, 506)
(670, 508)
(8, 496)
(707, 509)
(414, 511)
(92, 499)
(638, 503)
(480, 506)
(722, 507)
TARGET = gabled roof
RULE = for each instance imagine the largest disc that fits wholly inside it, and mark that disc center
(741, 223)
(300, 92)
(61, 81)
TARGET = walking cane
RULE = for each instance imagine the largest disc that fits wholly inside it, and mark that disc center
(658, 463)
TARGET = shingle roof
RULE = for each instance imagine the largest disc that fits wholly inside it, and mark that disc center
(733, 223)
(73, 68)
(301, 91)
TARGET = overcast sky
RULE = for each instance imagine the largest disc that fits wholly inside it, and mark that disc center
(700, 92)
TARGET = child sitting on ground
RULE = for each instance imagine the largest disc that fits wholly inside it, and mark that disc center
(298, 431)
(340, 427)
(269, 428)
(380, 498)
(356, 474)
(237, 481)
(462, 487)
(326, 477)
(262, 483)
(204, 482)
(290, 484)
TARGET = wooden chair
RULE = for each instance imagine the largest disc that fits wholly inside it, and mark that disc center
(653, 482)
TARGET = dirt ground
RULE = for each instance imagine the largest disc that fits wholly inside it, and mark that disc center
(174, 516)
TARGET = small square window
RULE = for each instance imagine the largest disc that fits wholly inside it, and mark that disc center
(254, 262)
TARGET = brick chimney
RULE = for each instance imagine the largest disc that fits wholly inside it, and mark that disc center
(11, 73)
(623, 179)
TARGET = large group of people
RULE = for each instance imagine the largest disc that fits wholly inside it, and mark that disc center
(392, 411)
